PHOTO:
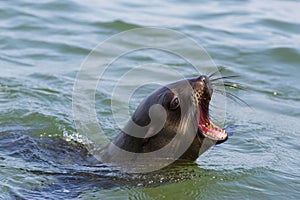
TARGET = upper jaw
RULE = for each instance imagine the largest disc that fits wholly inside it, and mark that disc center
(202, 95)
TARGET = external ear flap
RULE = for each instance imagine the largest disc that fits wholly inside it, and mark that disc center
(174, 104)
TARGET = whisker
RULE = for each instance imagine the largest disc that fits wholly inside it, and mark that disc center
(215, 107)
(224, 77)
(232, 97)
(230, 85)
(219, 69)
(212, 106)
(228, 82)
(213, 74)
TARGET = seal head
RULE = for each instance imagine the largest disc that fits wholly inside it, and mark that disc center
(193, 94)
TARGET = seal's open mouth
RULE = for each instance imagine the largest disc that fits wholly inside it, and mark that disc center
(209, 129)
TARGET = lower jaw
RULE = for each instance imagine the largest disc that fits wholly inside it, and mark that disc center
(202, 135)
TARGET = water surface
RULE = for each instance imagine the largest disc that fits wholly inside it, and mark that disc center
(42, 47)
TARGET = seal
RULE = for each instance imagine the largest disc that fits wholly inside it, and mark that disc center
(185, 101)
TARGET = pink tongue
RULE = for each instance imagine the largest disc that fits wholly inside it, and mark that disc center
(203, 128)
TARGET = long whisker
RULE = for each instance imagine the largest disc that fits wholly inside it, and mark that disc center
(232, 97)
(212, 106)
(219, 70)
(215, 107)
(227, 82)
(224, 77)
(230, 85)
(213, 73)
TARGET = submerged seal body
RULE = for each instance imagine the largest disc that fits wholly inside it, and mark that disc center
(183, 115)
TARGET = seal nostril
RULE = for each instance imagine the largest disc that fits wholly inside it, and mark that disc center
(204, 79)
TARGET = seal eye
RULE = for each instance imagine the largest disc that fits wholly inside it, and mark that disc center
(174, 103)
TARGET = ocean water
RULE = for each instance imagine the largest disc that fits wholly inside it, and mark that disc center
(43, 45)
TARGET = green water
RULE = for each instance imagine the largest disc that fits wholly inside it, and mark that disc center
(43, 44)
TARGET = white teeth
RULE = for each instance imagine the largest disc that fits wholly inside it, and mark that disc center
(212, 127)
